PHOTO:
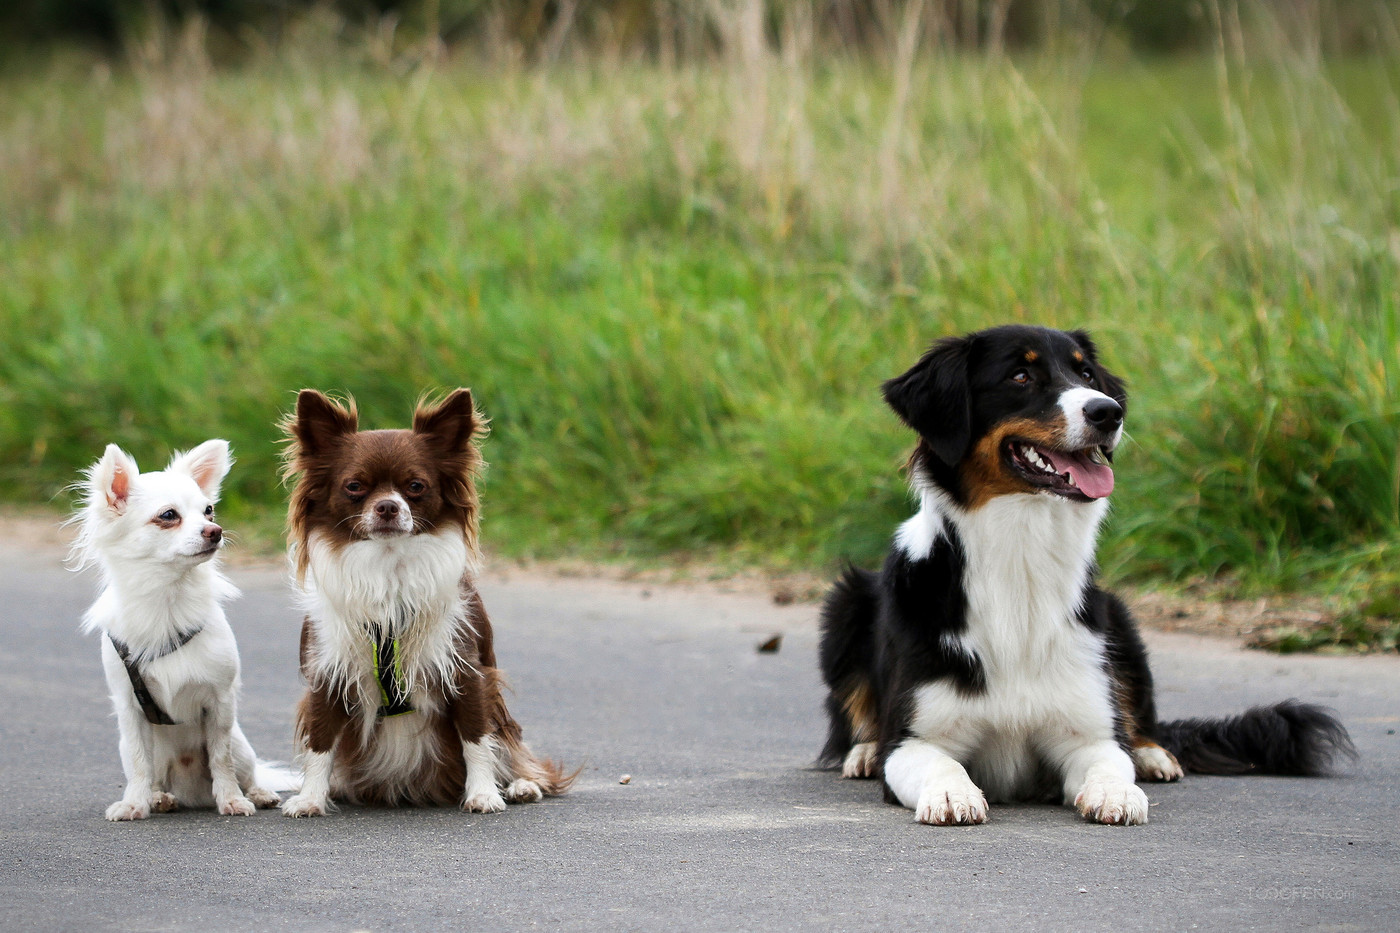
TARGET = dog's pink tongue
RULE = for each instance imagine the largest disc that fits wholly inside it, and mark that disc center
(1095, 480)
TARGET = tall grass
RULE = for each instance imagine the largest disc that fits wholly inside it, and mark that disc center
(676, 287)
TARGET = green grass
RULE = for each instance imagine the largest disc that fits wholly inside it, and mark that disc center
(675, 290)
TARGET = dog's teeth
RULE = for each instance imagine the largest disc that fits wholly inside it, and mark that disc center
(1096, 455)
(1069, 478)
(1032, 456)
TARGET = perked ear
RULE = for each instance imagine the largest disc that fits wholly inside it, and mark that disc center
(320, 421)
(110, 478)
(208, 464)
(1113, 387)
(933, 398)
(448, 425)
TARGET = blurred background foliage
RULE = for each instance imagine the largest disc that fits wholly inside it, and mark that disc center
(675, 247)
(543, 28)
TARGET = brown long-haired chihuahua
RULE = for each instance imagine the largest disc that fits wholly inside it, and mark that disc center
(403, 702)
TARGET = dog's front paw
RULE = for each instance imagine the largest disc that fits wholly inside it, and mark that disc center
(161, 802)
(860, 761)
(303, 805)
(237, 806)
(524, 791)
(263, 799)
(1115, 803)
(952, 806)
(1155, 763)
(491, 802)
(124, 810)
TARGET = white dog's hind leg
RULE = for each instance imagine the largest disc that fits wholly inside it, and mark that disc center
(245, 768)
(934, 785)
(482, 795)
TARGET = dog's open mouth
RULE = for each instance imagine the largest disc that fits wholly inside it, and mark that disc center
(1075, 474)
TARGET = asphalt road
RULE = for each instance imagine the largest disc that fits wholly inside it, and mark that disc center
(724, 824)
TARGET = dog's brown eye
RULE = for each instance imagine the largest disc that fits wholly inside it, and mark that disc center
(169, 515)
(416, 488)
(1021, 376)
(208, 511)
(354, 487)
(1088, 375)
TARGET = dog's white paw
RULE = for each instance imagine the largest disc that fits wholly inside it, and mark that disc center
(491, 802)
(124, 810)
(860, 761)
(958, 805)
(1155, 763)
(524, 791)
(263, 799)
(161, 802)
(1115, 803)
(303, 805)
(237, 806)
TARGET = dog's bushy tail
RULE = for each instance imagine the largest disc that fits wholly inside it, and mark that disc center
(520, 762)
(276, 777)
(847, 652)
(1288, 738)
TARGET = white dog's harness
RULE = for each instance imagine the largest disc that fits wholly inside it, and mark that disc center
(154, 714)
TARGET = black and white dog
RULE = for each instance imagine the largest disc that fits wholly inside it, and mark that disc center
(983, 661)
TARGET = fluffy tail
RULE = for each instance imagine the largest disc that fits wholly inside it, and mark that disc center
(520, 762)
(276, 777)
(1289, 738)
(847, 653)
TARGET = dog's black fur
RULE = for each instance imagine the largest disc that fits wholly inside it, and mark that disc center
(885, 635)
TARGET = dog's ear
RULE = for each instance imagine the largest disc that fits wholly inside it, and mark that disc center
(933, 398)
(208, 464)
(320, 421)
(110, 478)
(448, 425)
(1111, 385)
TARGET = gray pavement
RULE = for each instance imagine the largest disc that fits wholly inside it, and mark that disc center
(724, 826)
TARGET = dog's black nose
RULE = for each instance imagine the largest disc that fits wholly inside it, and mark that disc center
(1104, 413)
(386, 509)
(213, 534)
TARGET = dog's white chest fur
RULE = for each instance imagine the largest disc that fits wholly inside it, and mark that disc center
(407, 588)
(1028, 559)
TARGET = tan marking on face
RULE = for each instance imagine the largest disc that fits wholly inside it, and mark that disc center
(1078, 357)
(985, 475)
(1031, 356)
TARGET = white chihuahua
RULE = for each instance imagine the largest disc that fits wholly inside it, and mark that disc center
(168, 652)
